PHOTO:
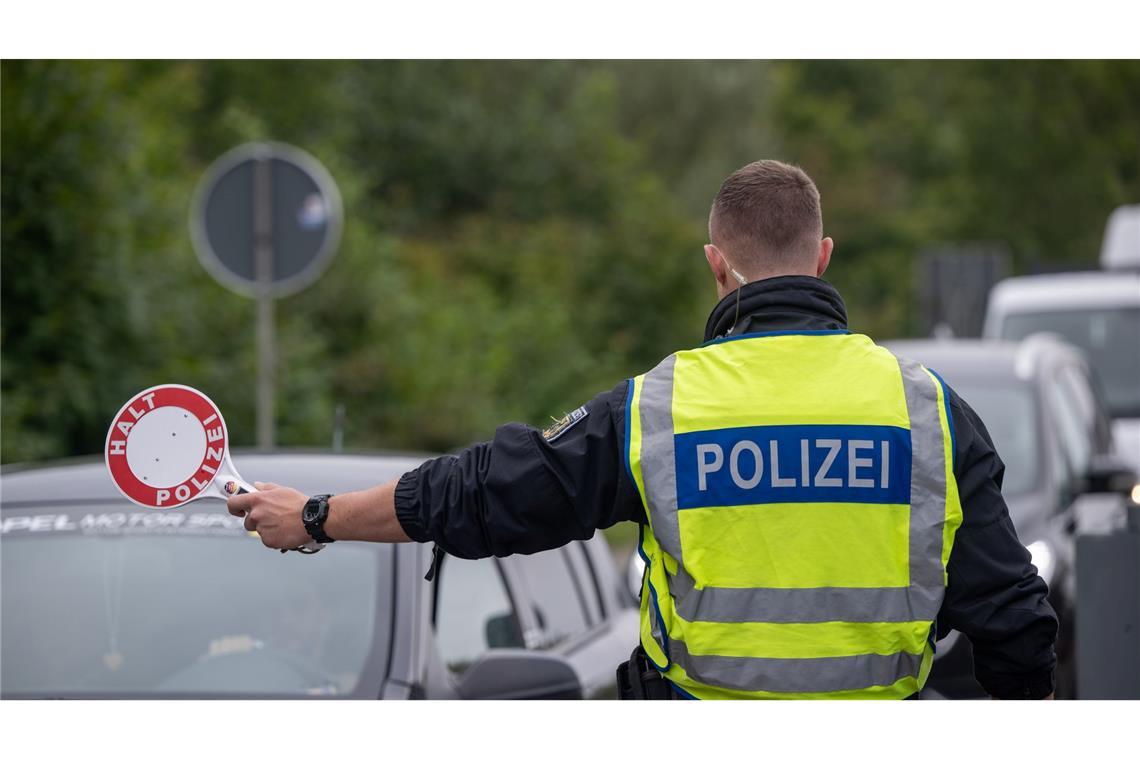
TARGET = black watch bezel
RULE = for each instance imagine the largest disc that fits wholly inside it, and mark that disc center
(314, 514)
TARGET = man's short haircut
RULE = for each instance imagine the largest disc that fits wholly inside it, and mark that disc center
(767, 216)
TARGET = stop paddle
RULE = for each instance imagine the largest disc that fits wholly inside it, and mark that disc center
(168, 446)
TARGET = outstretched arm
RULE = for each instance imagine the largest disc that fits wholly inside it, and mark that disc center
(275, 513)
(522, 492)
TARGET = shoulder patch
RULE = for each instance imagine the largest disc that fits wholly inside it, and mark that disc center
(562, 425)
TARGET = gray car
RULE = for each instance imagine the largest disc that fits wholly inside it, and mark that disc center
(102, 598)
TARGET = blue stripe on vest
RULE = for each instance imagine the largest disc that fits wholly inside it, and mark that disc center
(775, 464)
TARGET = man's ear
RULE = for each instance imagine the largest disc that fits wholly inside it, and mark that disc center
(718, 265)
(825, 247)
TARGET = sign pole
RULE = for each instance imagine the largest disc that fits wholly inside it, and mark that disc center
(266, 220)
(263, 265)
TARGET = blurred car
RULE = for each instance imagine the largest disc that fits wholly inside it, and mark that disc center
(1097, 311)
(1048, 422)
(101, 598)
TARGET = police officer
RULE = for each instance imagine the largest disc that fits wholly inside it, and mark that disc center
(815, 512)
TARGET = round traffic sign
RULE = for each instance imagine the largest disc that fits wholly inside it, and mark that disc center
(266, 219)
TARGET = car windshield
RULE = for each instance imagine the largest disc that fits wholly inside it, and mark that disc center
(1009, 413)
(121, 600)
(1110, 338)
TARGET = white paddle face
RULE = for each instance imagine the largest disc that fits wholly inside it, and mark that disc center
(168, 446)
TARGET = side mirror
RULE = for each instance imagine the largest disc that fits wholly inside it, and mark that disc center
(1108, 474)
(520, 674)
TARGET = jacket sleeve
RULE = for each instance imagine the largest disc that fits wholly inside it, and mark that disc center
(525, 491)
(994, 595)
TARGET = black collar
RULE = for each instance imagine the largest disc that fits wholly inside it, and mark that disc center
(792, 302)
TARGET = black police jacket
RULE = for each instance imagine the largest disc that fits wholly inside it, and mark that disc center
(524, 492)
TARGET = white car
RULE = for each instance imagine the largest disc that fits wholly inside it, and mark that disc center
(1097, 311)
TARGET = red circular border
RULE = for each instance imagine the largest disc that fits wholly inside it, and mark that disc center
(192, 401)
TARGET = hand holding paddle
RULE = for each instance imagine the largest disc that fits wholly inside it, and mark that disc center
(274, 512)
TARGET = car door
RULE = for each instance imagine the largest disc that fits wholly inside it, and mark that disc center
(612, 639)
(566, 611)
(557, 608)
(1081, 428)
(1084, 389)
(553, 601)
(1090, 436)
(473, 612)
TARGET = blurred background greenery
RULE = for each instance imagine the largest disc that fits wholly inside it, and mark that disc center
(519, 235)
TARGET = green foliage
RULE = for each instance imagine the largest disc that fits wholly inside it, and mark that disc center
(519, 235)
(1031, 153)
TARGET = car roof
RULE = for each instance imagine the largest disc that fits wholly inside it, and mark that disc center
(981, 358)
(1068, 290)
(87, 479)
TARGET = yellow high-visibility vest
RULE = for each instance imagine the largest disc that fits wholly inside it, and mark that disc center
(801, 504)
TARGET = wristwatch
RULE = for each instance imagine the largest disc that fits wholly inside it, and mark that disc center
(314, 514)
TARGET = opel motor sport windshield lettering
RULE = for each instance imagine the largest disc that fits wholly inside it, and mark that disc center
(123, 522)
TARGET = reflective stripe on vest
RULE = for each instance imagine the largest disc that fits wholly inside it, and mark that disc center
(769, 492)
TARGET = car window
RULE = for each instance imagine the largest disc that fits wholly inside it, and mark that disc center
(1076, 387)
(133, 602)
(556, 594)
(1110, 338)
(1080, 386)
(585, 570)
(1009, 412)
(1074, 434)
(473, 612)
(1059, 470)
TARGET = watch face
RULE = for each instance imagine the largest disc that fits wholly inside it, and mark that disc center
(312, 509)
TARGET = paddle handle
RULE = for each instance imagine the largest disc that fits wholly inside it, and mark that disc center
(234, 487)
